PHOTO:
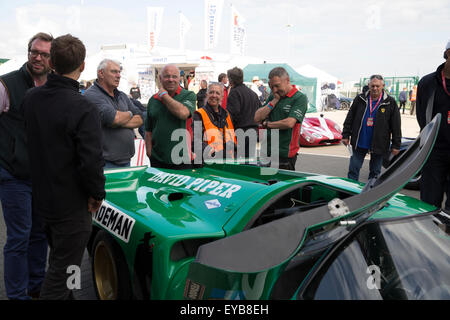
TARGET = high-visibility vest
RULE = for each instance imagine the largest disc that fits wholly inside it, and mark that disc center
(413, 94)
(214, 136)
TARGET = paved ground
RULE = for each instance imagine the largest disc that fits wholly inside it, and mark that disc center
(330, 160)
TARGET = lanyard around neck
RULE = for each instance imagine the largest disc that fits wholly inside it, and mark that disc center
(443, 83)
(371, 109)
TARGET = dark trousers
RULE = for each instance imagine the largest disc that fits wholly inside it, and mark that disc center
(402, 105)
(162, 165)
(357, 160)
(412, 108)
(283, 163)
(25, 251)
(67, 240)
(435, 179)
(288, 163)
(247, 143)
(109, 165)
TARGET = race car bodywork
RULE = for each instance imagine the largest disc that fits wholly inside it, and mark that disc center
(414, 183)
(319, 131)
(231, 230)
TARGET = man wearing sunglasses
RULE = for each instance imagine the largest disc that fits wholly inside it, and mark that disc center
(25, 251)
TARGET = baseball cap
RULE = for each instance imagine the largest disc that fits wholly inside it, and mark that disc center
(255, 78)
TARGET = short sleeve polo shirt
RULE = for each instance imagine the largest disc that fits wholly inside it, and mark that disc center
(295, 105)
(162, 123)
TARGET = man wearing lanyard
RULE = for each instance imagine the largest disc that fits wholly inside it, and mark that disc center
(433, 97)
(372, 122)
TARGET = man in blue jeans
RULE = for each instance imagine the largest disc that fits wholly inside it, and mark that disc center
(372, 122)
(25, 251)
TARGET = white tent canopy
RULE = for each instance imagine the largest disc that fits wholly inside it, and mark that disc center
(322, 78)
(13, 64)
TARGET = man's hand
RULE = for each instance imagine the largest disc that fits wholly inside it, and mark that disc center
(94, 205)
(263, 113)
(395, 152)
(161, 90)
(276, 98)
(345, 142)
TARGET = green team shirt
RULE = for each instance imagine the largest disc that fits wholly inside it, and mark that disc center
(294, 105)
(161, 123)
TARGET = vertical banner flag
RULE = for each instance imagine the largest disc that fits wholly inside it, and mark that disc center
(213, 11)
(237, 32)
(185, 26)
(154, 20)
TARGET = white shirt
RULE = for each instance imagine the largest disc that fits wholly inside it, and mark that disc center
(254, 87)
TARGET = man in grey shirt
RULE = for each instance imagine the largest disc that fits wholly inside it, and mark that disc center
(118, 114)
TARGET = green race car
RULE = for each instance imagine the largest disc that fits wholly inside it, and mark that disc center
(235, 231)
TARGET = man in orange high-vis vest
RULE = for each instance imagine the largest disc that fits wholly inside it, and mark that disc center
(213, 129)
(413, 98)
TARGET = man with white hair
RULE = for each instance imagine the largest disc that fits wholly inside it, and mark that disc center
(119, 116)
(433, 97)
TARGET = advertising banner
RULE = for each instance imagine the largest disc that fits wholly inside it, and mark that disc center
(237, 32)
(154, 20)
(185, 26)
(213, 12)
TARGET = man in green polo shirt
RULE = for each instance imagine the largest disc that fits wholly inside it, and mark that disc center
(168, 124)
(284, 110)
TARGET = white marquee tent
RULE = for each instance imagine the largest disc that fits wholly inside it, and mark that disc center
(322, 78)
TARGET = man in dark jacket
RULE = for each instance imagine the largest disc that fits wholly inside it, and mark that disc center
(433, 97)
(242, 104)
(201, 94)
(65, 148)
(371, 123)
(25, 252)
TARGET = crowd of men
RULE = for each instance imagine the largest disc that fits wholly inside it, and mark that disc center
(47, 200)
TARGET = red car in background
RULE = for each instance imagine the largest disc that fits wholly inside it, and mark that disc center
(319, 131)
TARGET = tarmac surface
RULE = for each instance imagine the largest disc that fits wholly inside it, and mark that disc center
(329, 160)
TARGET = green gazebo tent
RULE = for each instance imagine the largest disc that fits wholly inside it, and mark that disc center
(307, 85)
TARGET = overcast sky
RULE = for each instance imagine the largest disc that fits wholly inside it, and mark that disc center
(346, 38)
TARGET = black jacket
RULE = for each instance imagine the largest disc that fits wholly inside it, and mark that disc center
(13, 147)
(431, 92)
(242, 104)
(387, 124)
(65, 149)
(201, 97)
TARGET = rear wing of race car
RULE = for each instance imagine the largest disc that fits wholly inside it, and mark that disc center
(267, 247)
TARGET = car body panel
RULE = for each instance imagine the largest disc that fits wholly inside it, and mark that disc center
(319, 131)
(260, 255)
(173, 213)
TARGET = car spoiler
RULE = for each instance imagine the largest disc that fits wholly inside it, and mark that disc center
(272, 244)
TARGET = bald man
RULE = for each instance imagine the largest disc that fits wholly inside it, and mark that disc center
(169, 118)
